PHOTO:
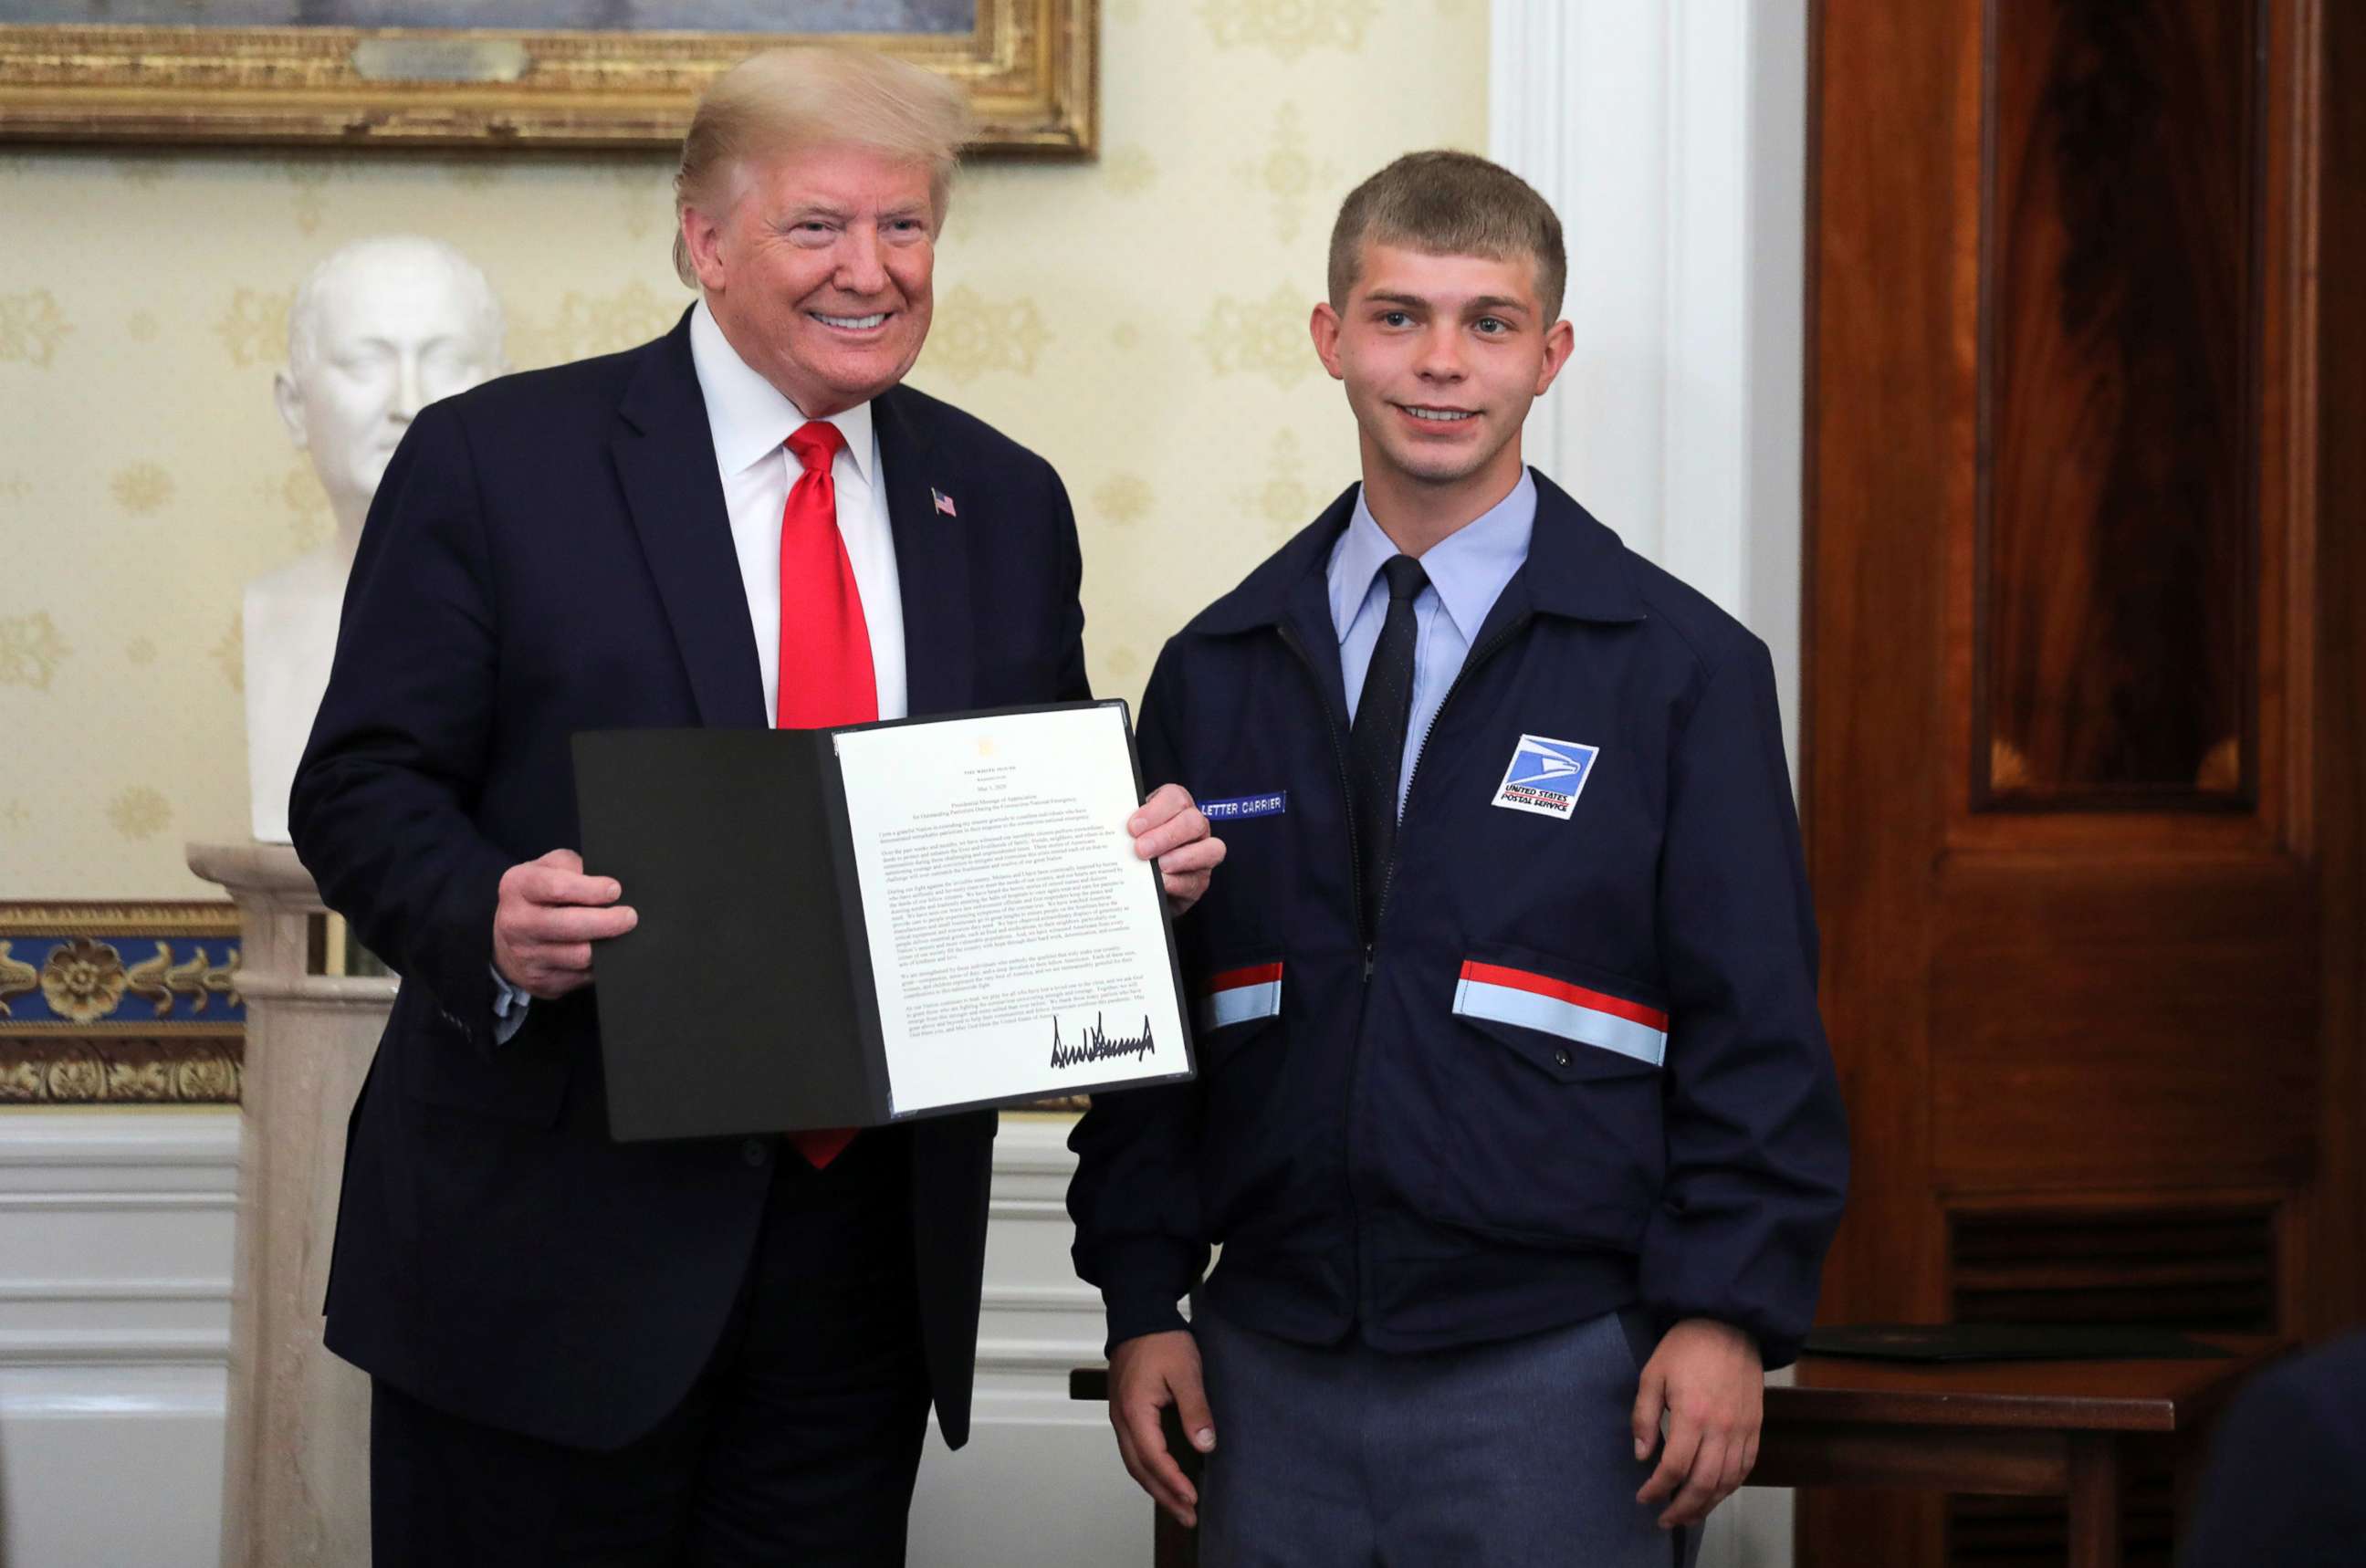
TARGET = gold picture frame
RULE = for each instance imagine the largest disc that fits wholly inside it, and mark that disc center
(1028, 65)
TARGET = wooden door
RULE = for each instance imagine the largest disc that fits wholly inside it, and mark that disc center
(2086, 439)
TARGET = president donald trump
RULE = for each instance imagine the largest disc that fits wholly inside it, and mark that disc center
(718, 1351)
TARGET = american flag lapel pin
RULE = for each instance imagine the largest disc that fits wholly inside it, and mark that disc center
(944, 503)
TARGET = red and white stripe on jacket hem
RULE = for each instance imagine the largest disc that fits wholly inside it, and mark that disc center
(1238, 995)
(1555, 1006)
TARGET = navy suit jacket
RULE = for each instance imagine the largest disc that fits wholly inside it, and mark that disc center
(550, 553)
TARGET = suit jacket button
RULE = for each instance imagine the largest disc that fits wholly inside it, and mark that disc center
(753, 1152)
(1560, 1058)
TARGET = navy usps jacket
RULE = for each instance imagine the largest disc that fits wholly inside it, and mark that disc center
(550, 553)
(1578, 1066)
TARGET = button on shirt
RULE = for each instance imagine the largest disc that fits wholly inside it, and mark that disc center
(1467, 569)
(751, 423)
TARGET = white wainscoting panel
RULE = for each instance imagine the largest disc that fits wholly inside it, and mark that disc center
(115, 1246)
(1671, 136)
(1039, 1484)
(116, 1232)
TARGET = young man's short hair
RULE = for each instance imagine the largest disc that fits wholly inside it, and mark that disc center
(1449, 204)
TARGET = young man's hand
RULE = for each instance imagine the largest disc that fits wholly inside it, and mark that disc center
(1148, 1373)
(1708, 1377)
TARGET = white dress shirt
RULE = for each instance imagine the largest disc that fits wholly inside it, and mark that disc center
(751, 424)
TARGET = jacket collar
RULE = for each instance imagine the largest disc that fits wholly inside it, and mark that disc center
(932, 554)
(664, 454)
(1576, 567)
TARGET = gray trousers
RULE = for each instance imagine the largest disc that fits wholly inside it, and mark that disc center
(1513, 1455)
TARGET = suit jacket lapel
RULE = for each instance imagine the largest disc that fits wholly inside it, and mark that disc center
(932, 559)
(665, 458)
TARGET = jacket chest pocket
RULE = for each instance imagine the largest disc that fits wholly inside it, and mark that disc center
(1234, 1006)
(1549, 1120)
(1571, 1032)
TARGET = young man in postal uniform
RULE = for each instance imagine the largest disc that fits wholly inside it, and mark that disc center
(1514, 1121)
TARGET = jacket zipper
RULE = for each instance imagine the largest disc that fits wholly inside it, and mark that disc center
(1346, 791)
(1371, 938)
(1363, 992)
(1389, 874)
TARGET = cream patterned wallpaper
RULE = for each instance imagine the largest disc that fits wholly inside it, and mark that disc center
(1140, 321)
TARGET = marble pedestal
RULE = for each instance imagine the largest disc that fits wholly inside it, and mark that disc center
(296, 1469)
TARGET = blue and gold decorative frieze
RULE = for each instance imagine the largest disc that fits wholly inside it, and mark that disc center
(120, 1004)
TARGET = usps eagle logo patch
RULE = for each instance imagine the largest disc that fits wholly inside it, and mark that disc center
(1545, 776)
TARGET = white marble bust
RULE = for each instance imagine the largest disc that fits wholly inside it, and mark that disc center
(380, 328)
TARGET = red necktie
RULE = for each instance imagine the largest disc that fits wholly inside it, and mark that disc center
(824, 673)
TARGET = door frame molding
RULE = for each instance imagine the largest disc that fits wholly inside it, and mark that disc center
(1671, 136)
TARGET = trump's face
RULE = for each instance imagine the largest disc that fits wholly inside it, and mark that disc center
(818, 272)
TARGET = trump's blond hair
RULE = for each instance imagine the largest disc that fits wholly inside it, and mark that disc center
(786, 100)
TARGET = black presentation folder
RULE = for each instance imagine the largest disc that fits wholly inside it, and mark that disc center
(743, 1000)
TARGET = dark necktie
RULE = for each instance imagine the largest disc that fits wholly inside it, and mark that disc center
(1376, 740)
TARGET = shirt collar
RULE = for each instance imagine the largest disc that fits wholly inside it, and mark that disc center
(748, 416)
(1469, 567)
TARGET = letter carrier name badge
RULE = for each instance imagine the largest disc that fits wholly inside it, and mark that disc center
(1545, 776)
(1242, 806)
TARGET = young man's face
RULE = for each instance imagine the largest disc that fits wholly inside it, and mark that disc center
(1441, 355)
(820, 273)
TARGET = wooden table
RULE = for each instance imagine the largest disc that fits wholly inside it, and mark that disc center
(2011, 1429)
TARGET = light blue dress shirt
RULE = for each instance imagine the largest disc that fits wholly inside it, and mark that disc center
(509, 1009)
(1468, 570)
